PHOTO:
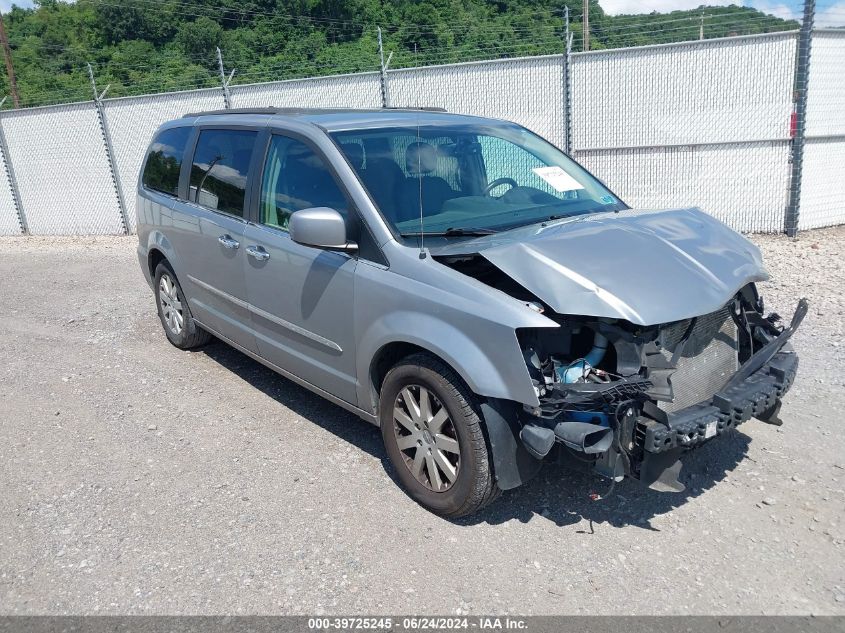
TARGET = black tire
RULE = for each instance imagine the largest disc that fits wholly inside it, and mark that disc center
(475, 485)
(190, 335)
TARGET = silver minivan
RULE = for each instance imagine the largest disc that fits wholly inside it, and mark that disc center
(464, 285)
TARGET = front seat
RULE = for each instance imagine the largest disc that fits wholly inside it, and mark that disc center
(383, 179)
(420, 162)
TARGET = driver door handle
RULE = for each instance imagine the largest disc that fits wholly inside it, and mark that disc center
(227, 241)
(258, 253)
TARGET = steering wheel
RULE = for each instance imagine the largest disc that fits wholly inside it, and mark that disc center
(500, 181)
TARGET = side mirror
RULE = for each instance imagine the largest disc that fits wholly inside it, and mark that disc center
(320, 227)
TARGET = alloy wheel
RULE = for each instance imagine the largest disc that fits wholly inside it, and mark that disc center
(171, 305)
(426, 437)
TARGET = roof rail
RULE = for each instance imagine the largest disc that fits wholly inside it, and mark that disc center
(296, 111)
(191, 115)
(423, 108)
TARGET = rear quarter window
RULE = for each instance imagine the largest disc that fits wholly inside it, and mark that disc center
(164, 160)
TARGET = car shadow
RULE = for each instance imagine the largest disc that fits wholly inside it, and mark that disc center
(300, 400)
(565, 496)
(557, 493)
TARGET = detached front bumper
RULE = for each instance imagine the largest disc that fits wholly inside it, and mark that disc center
(753, 392)
(617, 427)
(755, 397)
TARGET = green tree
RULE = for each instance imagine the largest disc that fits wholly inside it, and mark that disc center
(199, 39)
(140, 46)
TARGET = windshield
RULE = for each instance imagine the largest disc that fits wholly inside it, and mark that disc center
(469, 179)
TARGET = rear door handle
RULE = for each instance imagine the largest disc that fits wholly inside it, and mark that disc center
(227, 241)
(258, 253)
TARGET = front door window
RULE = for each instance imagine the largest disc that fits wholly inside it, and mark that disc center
(296, 177)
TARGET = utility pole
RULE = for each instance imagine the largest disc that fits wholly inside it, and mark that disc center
(10, 69)
(585, 20)
(701, 27)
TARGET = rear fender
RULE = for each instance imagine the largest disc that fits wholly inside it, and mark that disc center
(158, 241)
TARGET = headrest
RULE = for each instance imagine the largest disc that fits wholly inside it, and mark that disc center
(420, 159)
(354, 153)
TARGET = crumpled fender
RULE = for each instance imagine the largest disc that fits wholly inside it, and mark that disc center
(495, 372)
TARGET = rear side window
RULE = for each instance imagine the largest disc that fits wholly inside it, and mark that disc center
(219, 170)
(164, 161)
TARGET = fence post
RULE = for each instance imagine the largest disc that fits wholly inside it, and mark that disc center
(104, 130)
(802, 76)
(567, 86)
(385, 99)
(10, 174)
(224, 81)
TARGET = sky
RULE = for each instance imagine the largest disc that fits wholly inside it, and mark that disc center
(828, 12)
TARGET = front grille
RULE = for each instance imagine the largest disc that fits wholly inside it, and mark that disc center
(710, 358)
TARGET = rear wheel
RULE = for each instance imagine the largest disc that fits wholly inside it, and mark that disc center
(434, 438)
(174, 313)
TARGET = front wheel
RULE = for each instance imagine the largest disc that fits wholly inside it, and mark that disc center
(434, 437)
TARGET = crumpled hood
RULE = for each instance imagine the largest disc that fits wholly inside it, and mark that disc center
(647, 267)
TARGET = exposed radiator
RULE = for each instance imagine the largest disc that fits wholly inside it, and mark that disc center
(710, 358)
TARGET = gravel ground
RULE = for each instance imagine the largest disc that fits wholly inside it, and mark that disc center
(140, 479)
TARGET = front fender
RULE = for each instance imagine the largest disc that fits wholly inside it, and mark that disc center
(494, 371)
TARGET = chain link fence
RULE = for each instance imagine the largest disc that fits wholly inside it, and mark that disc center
(10, 222)
(702, 123)
(528, 91)
(339, 91)
(694, 124)
(131, 123)
(62, 170)
(823, 181)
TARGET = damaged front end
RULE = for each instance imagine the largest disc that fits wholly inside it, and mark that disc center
(626, 399)
(662, 340)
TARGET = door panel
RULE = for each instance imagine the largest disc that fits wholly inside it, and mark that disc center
(302, 310)
(300, 297)
(215, 281)
(209, 229)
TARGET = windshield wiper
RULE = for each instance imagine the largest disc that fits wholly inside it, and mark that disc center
(452, 232)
